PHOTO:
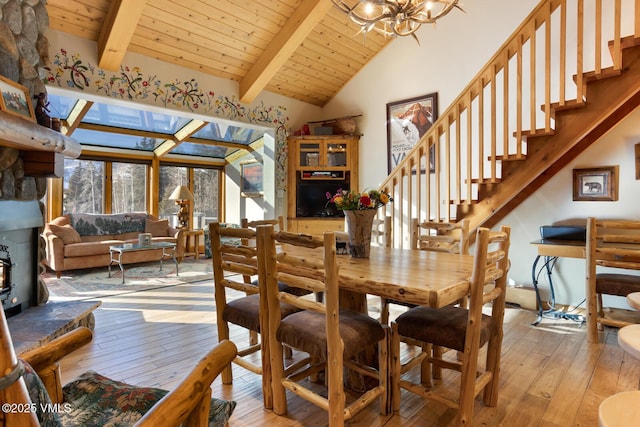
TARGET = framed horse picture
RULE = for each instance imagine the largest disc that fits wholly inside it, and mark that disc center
(407, 121)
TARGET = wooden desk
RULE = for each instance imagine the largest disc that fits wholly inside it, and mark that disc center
(561, 248)
(551, 250)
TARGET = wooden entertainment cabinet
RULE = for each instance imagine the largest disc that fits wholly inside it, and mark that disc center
(328, 161)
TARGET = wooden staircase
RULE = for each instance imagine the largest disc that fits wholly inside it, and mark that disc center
(514, 126)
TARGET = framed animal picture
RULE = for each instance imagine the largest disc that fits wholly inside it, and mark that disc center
(595, 184)
(407, 121)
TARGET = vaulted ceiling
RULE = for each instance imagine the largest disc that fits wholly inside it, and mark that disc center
(303, 49)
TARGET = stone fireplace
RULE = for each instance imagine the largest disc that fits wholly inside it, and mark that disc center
(24, 51)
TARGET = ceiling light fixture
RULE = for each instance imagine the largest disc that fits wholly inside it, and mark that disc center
(395, 17)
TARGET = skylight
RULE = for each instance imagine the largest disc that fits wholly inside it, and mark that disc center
(119, 126)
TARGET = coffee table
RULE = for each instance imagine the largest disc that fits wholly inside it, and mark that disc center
(118, 251)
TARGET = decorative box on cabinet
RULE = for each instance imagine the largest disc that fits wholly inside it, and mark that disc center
(319, 164)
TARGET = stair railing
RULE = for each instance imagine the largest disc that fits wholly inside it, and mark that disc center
(537, 71)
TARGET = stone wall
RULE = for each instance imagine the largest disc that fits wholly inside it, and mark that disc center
(24, 51)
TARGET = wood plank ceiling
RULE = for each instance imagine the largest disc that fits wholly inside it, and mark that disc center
(301, 49)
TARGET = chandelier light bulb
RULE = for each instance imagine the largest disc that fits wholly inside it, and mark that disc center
(395, 17)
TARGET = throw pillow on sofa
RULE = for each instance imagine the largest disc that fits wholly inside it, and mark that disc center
(159, 228)
(67, 233)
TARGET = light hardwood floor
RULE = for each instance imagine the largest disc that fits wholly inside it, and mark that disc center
(551, 376)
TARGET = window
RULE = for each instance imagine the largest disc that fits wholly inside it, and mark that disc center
(83, 186)
(205, 195)
(170, 178)
(128, 185)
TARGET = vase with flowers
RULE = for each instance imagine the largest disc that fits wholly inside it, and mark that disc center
(359, 211)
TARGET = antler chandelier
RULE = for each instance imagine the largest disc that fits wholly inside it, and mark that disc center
(395, 17)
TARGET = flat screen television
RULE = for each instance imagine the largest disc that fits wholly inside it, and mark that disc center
(312, 197)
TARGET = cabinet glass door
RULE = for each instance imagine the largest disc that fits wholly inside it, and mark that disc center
(310, 154)
(336, 155)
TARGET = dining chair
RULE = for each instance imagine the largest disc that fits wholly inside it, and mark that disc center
(279, 222)
(246, 223)
(433, 236)
(248, 311)
(333, 338)
(465, 329)
(614, 244)
(381, 232)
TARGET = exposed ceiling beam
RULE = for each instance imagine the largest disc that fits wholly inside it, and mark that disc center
(117, 30)
(301, 23)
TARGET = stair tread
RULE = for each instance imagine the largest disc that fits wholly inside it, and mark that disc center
(537, 132)
(568, 105)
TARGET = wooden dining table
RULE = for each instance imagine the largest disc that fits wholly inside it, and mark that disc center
(435, 279)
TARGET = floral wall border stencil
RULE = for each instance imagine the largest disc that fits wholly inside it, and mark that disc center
(131, 83)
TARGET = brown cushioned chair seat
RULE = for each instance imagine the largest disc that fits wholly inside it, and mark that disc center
(306, 330)
(283, 287)
(245, 312)
(617, 284)
(445, 327)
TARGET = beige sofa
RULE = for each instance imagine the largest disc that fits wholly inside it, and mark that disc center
(78, 241)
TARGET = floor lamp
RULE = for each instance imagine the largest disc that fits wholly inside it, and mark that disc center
(182, 195)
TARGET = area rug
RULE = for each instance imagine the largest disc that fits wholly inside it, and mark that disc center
(92, 283)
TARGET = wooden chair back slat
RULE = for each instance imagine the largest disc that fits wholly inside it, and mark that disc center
(614, 244)
(321, 277)
(440, 236)
(242, 260)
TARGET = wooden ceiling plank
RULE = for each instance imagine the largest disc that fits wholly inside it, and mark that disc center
(187, 60)
(301, 23)
(185, 38)
(189, 15)
(179, 48)
(207, 49)
(303, 82)
(117, 30)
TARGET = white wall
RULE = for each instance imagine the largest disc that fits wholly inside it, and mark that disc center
(554, 202)
(447, 58)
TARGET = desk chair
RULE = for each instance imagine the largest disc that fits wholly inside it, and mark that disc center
(463, 329)
(332, 337)
(433, 236)
(92, 399)
(623, 409)
(615, 244)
